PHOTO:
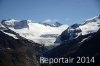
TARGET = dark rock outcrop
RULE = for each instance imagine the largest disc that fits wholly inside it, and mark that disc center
(71, 32)
(18, 52)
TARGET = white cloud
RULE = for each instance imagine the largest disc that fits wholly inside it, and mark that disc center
(47, 21)
(50, 20)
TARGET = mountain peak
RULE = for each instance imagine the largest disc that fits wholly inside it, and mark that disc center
(9, 22)
(99, 16)
(90, 25)
(72, 32)
(28, 21)
(74, 26)
(15, 23)
(57, 24)
(94, 19)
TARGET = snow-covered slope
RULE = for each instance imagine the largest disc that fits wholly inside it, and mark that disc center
(90, 25)
(39, 33)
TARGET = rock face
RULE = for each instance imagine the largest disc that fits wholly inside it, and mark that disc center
(15, 23)
(71, 33)
(57, 24)
(18, 52)
(21, 24)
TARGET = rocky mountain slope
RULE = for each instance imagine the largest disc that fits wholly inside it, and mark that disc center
(18, 52)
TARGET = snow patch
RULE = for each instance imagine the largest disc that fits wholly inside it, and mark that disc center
(12, 35)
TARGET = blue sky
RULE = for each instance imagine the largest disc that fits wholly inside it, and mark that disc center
(64, 11)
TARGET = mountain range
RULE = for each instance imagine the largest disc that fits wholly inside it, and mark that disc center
(25, 41)
(41, 33)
